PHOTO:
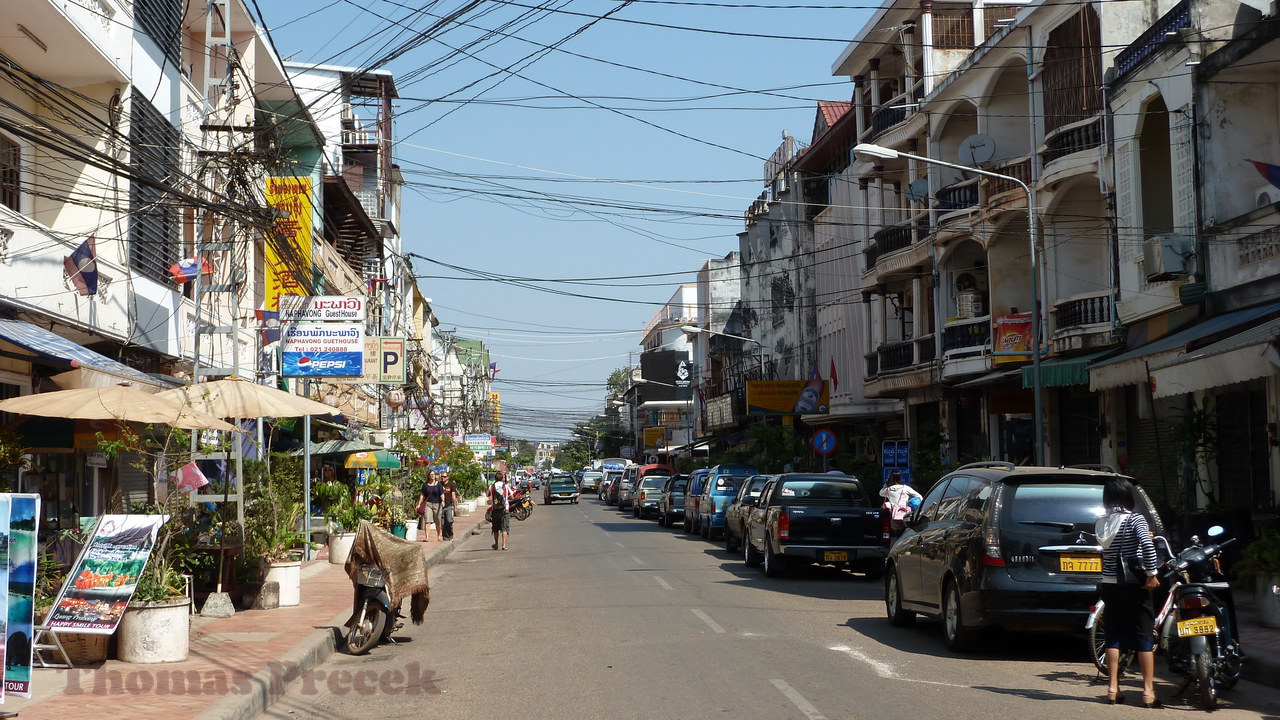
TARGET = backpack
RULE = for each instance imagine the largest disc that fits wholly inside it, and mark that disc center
(498, 497)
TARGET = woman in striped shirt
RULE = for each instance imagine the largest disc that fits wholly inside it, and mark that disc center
(1129, 613)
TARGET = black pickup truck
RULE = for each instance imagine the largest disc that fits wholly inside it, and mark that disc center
(804, 518)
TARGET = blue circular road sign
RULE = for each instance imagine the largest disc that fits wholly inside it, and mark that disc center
(824, 441)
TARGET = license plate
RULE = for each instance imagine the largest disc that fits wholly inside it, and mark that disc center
(1197, 626)
(1080, 563)
(835, 556)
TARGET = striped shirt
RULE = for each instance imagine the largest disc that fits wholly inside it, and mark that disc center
(1133, 540)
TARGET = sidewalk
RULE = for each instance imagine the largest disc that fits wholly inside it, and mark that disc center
(238, 665)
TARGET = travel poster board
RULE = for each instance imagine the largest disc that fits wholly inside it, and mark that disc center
(4, 575)
(97, 590)
(24, 552)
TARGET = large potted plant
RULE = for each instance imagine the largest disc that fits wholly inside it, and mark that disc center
(273, 526)
(343, 514)
(156, 625)
(1262, 563)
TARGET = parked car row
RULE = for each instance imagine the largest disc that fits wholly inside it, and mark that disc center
(991, 544)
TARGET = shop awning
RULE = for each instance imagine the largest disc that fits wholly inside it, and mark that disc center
(1061, 372)
(1130, 368)
(1238, 358)
(991, 378)
(333, 447)
(46, 344)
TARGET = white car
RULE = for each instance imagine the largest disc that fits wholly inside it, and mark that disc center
(590, 480)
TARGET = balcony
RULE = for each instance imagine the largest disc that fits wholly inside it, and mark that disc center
(886, 117)
(892, 239)
(1084, 135)
(1164, 29)
(926, 351)
(959, 196)
(1090, 309)
(966, 336)
(1020, 169)
(896, 356)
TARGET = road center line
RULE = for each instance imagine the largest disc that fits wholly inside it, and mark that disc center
(663, 583)
(715, 627)
(619, 544)
(798, 700)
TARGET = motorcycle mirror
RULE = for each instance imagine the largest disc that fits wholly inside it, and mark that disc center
(1215, 531)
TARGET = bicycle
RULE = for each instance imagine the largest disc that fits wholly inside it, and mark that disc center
(1097, 627)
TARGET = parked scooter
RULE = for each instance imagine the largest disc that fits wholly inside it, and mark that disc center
(520, 505)
(1199, 633)
(375, 619)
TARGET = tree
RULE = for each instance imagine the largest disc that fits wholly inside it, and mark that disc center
(619, 380)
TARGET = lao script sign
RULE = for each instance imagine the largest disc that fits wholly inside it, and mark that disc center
(322, 350)
(324, 308)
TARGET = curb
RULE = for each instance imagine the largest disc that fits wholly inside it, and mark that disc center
(1262, 667)
(271, 683)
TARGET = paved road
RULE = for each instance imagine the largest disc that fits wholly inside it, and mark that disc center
(592, 614)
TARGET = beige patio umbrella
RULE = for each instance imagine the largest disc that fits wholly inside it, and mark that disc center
(116, 402)
(235, 398)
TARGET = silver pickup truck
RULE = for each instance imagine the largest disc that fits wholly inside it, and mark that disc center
(828, 519)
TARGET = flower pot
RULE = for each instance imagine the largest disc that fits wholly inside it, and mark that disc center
(411, 532)
(289, 577)
(155, 632)
(1268, 600)
(399, 530)
(340, 547)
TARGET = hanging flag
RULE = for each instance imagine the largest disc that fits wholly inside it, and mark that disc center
(189, 478)
(816, 374)
(185, 270)
(835, 379)
(81, 266)
(493, 369)
(1268, 171)
(269, 323)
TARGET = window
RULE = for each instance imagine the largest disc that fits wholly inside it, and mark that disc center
(953, 28)
(161, 20)
(1073, 71)
(995, 17)
(153, 223)
(10, 174)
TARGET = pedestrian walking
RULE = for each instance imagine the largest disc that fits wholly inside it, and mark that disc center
(450, 504)
(433, 495)
(897, 496)
(499, 496)
(1129, 565)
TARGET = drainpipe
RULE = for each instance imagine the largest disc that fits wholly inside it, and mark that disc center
(1113, 230)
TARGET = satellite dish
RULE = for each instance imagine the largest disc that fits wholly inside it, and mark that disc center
(977, 149)
(918, 189)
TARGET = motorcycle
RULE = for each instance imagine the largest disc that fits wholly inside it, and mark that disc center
(520, 505)
(375, 619)
(1199, 634)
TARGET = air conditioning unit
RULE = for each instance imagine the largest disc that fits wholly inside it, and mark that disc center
(1165, 256)
(1266, 195)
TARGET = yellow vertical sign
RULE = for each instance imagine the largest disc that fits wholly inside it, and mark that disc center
(495, 407)
(290, 255)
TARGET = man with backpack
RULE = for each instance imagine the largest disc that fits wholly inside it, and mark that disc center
(499, 496)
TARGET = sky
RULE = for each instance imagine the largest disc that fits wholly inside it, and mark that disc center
(569, 164)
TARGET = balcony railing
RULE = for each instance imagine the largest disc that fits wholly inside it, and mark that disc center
(886, 117)
(894, 238)
(1094, 309)
(870, 255)
(873, 364)
(1085, 135)
(896, 355)
(959, 196)
(926, 351)
(966, 334)
(1020, 169)
(1178, 17)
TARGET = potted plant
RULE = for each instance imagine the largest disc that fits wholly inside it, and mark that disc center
(273, 527)
(1262, 563)
(398, 518)
(343, 514)
(156, 625)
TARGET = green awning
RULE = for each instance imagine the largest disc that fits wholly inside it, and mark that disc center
(1061, 372)
(332, 447)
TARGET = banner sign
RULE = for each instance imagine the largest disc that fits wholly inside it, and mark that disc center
(788, 397)
(384, 362)
(24, 550)
(99, 586)
(322, 350)
(495, 407)
(655, 437)
(325, 308)
(289, 255)
(1013, 334)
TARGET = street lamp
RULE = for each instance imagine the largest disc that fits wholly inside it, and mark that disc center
(879, 152)
(694, 330)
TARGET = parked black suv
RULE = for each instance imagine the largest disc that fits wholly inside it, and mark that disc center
(997, 545)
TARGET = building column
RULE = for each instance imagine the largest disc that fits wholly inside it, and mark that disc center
(874, 78)
(926, 44)
(859, 104)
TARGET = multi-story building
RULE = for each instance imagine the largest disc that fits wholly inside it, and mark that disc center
(662, 392)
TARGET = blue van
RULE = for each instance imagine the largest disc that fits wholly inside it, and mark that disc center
(717, 494)
(692, 496)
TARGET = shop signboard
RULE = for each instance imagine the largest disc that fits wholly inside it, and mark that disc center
(655, 437)
(322, 350)
(1013, 339)
(788, 397)
(384, 362)
(24, 527)
(99, 585)
(322, 308)
(290, 256)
